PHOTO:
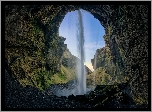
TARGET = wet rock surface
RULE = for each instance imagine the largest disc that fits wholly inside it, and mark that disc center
(107, 96)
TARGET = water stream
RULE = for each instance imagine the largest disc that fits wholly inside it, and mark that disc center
(81, 73)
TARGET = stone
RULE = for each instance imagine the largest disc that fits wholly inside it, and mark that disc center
(30, 37)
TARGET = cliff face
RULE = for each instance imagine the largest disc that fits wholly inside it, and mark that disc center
(70, 61)
(31, 40)
(103, 62)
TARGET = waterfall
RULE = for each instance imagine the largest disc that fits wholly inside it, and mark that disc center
(81, 74)
(79, 86)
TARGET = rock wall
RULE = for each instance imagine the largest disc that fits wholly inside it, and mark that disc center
(104, 65)
(29, 50)
(70, 61)
(126, 29)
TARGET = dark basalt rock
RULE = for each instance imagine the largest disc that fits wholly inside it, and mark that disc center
(106, 96)
(99, 87)
(35, 42)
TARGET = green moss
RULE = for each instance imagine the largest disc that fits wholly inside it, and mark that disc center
(42, 78)
(101, 78)
(140, 100)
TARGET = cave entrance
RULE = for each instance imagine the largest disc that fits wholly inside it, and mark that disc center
(93, 34)
(93, 37)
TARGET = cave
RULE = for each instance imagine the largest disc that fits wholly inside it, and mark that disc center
(126, 34)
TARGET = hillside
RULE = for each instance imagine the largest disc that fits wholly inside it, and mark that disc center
(42, 79)
(106, 68)
(69, 60)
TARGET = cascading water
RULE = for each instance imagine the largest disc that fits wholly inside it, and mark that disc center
(81, 74)
(78, 87)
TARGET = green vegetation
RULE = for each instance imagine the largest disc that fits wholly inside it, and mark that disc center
(33, 49)
(62, 77)
(42, 79)
(33, 56)
(107, 71)
(101, 78)
(140, 100)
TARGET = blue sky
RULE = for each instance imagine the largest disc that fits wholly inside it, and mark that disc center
(93, 34)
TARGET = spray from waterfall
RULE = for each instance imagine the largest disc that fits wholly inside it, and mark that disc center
(81, 74)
